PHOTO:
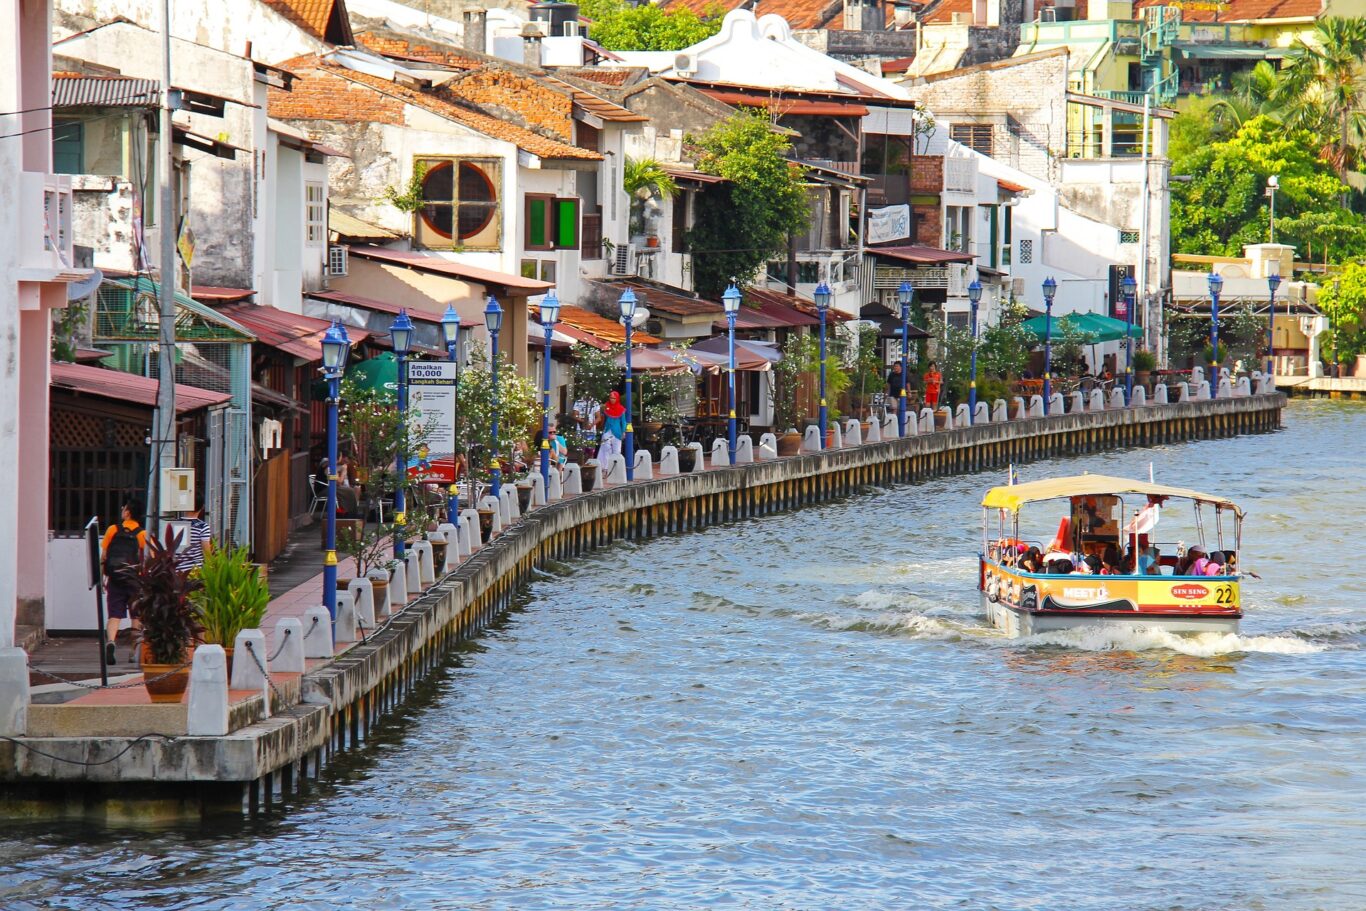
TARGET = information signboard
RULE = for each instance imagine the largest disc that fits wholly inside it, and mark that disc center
(431, 400)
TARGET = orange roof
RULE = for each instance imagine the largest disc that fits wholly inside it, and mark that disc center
(600, 74)
(390, 46)
(600, 327)
(314, 16)
(597, 105)
(942, 13)
(1246, 10)
(329, 102)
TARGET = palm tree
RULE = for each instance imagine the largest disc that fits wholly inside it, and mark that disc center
(1323, 89)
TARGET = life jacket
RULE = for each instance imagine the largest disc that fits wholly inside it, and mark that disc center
(123, 554)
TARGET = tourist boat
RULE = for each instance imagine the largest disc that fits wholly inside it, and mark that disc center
(1102, 513)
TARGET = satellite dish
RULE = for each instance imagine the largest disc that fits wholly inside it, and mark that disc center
(80, 290)
(642, 314)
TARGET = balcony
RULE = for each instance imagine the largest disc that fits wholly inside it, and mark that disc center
(45, 235)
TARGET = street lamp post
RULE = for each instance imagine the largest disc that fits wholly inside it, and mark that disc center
(335, 346)
(493, 322)
(1050, 288)
(731, 302)
(550, 315)
(1216, 284)
(822, 307)
(1273, 183)
(401, 337)
(904, 295)
(450, 334)
(627, 303)
(974, 298)
(1273, 282)
(1129, 286)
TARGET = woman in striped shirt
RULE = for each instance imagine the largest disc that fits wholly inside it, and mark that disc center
(191, 553)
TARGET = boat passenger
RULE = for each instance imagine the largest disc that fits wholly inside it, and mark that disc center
(1187, 565)
(1060, 567)
(1112, 561)
(1030, 562)
(1150, 564)
(1093, 566)
(1214, 566)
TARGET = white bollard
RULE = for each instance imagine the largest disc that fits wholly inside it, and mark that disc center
(768, 447)
(853, 433)
(363, 596)
(874, 432)
(206, 714)
(1202, 392)
(698, 463)
(1035, 406)
(926, 420)
(471, 535)
(890, 431)
(287, 646)
(345, 629)
(412, 563)
(538, 487)
(644, 468)
(507, 504)
(491, 504)
(1225, 389)
(1017, 408)
(1160, 394)
(838, 435)
(14, 691)
(616, 470)
(668, 461)
(744, 449)
(811, 439)
(247, 671)
(426, 562)
(1097, 400)
(1055, 405)
(381, 595)
(556, 492)
(720, 452)
(317, 634)
(572, 485)
(454, 547)
(1265, 383)
(983, 415)
(1117, 397)
(398, 584)
(1140, 397)
(1000, 411)
(961, 417)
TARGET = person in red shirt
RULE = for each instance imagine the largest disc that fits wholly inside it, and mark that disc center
(934, 381)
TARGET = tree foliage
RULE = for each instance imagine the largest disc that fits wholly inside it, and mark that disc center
(747, 219)
(519, 413)
(1223, 206)
(1344, 303)
(1323, 88)
(620, 26)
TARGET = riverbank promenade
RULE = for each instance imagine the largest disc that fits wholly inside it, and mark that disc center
(110, 754)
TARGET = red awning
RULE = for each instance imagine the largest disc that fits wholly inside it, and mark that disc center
(291, 333)
(921, 255)
(118, 386)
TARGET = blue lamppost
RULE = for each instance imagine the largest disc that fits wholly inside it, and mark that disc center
(904, 295)
(627, 303)
(1130, 299)
(1273, 281)
(550, 315)
(336, 346)
(401, 337)
(974, 298)
(731, 302)
(450, 334)
(822, 307)
(1216, 284)
(493, 322)
(1050, 288)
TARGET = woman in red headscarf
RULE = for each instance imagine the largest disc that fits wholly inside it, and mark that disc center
(613, 428)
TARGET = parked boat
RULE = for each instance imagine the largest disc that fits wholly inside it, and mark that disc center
(1143, 582)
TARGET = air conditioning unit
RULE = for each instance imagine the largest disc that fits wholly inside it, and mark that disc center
(624, 259)
(571, 29)
(337, 259)
(685, 65)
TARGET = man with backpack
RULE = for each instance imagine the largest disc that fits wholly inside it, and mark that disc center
(123, 548)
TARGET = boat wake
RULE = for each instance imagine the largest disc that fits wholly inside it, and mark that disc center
(1197, 645)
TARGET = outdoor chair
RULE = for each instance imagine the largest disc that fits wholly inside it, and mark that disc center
(319, 490)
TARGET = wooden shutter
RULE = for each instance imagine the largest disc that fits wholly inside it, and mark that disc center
(566, 223)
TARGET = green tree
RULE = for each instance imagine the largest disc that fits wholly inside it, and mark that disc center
(747, 219)
(519, 413)
(1223, 206)
(1323, 88)
(1344, 303)
(619, 26)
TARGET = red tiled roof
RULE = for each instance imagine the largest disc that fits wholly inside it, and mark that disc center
(439, 265)
(602, 74)
(781, 305)
(921, 255)
(1011, 187)
(313, 16)
(602, 332)
(1246, 10)
(392, 46)
(127, 387)
(675, 303)
(292, 333)
(370, 303)
(942, 12)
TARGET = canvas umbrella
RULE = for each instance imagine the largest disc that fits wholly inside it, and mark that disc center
(662, 363)
(1102, 328)
(379, 373)
(749, 355)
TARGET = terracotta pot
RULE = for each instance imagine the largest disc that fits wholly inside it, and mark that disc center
(523, 497)
(379, 588)
(486, 523)
(228, 652)
(830, 438)
(439, 556)
(164, 682)
(588, 474)
(687, 459)
(789, 444)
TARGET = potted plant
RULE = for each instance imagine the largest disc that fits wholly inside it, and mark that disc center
(784, 392)
(1211, 357)
(646, 182)
(1145, 362)
(368, 548)
(232, 596)
(161, 597)
(588, 474)
(687, 459)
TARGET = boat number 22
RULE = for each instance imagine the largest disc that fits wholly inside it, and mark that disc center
(1223, 594)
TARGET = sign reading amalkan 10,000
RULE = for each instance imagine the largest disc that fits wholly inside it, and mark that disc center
(431, 401)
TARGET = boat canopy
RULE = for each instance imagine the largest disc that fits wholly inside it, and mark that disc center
(1014, 496)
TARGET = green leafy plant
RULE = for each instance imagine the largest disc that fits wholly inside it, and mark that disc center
(519, 413)
(1208, 355)
(161, 597)
(620, 26)
(785, 388)
(68, 324)
(408, 197)
(596, 373)
(648, 175)
(1344, 303)
(1144, 360)
(367, 546)
(231, 597)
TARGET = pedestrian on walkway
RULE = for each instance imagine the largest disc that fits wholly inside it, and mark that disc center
(896, 382)
(613, 428)
(934, 381)
(123, 547)
(197, 536)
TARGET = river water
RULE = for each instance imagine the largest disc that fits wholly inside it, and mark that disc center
(806, 712)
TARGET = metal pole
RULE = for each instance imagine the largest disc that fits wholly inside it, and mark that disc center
(1129, 348)
(1214, 342)
(330, 558)
(1271, 340)
(453, 491)
(972, 383)
(495, 471)
(545, 415)
(629, 444)
(164, 450)
(401, 460)
(1047, 351)
(730, 331)
(824, 413)
(1273, 214)
(905, 369)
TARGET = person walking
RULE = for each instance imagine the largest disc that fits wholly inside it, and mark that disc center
(613, 428)
(934, 382)
(197, 537)
(123, 546)
(896, 382)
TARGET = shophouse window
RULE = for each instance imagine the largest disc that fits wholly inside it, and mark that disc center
(461, 203)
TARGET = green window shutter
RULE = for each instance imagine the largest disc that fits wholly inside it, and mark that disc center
(68, 148)
(536, 223)
(567, 224)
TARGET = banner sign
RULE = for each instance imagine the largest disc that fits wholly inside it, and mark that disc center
(889, 223)
(431, 400)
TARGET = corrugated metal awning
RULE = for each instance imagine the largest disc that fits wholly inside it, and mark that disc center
(74, 90)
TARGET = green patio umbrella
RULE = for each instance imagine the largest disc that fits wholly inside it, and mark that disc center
(1035, 326)
(379, 373)
(1099, 328)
